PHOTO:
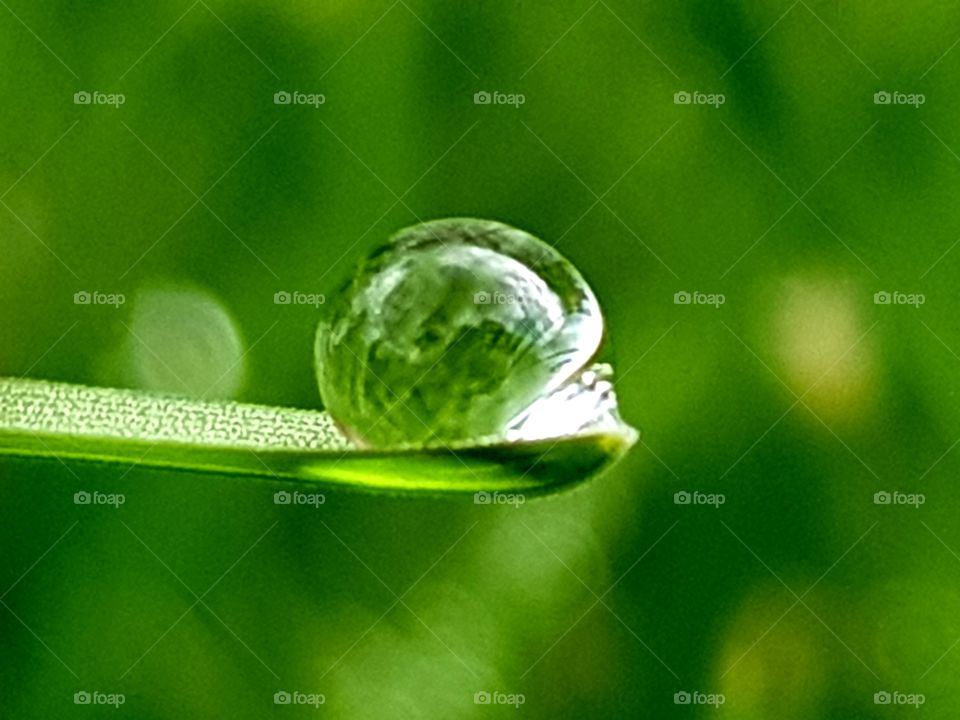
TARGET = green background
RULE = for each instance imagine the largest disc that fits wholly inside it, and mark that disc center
(798, 398)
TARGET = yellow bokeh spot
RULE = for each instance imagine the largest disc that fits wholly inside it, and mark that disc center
(823, 345)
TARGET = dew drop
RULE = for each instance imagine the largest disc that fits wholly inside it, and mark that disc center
(454, 330)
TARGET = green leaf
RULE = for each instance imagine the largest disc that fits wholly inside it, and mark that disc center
(75, 423)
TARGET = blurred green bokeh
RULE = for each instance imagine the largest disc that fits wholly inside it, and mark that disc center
(798, 399)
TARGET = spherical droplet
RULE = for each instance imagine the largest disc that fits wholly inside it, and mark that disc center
(450, 331)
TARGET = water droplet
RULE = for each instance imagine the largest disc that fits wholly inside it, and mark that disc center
(454, 330)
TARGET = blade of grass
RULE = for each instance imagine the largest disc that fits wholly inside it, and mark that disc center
(41, 419)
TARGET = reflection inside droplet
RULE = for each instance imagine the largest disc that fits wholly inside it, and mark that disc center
(460, 329)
